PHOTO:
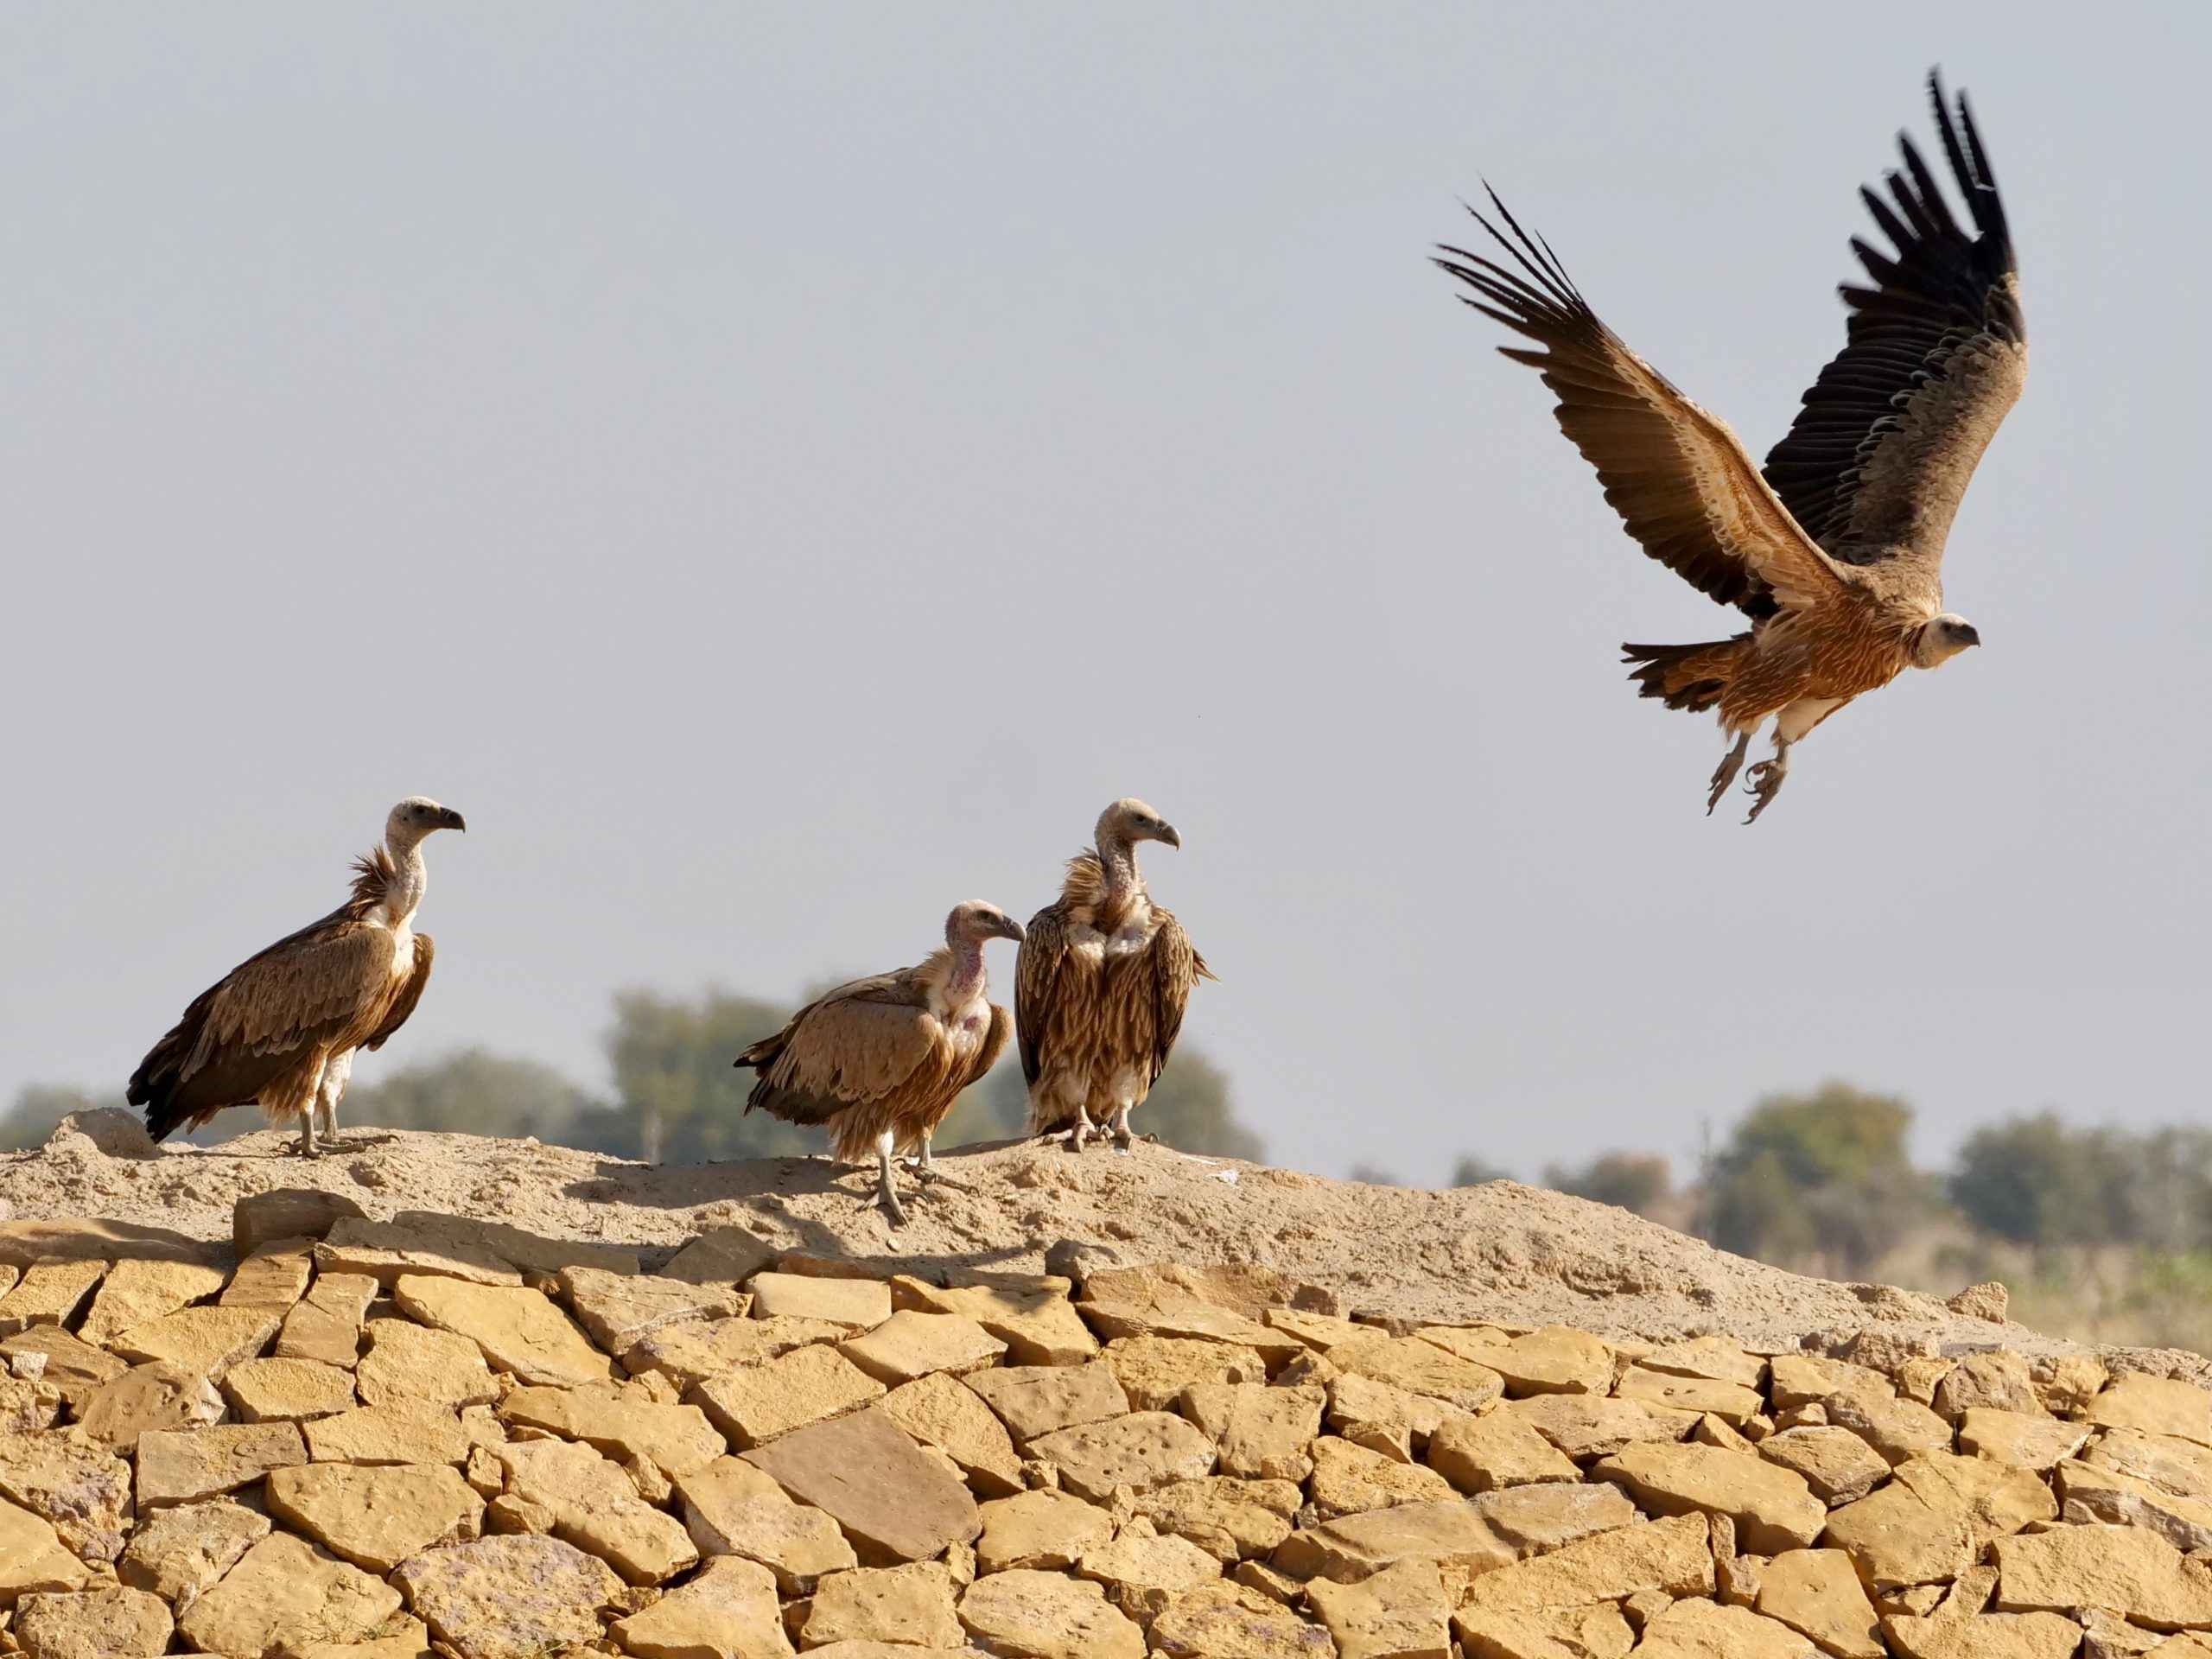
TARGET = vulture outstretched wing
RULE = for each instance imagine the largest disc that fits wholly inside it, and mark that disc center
(1036, 971)
(859, 1043)
(1674, 473)
(409, 994)
(1935, 353)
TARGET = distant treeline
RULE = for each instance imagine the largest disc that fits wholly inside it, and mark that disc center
(676, 1097)
(2102, 1234)
(1825, 1180)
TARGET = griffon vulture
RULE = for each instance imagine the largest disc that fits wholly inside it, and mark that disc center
(881, 1060)
(281, 1026)
(1101, 984)
(1835, 551)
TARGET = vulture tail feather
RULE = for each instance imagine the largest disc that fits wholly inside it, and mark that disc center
(1687, 677)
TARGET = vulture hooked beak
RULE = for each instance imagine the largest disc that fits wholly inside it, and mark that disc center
(449, 819)
(1010, 929)
(1166, 833)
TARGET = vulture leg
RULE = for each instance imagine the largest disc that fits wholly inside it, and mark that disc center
(336, 1076)
(887, 1193)
(1123, 1136)
(1081, 1130)
(1725, 773)
(307, 1147)
(926, 1171)
(1763, 781)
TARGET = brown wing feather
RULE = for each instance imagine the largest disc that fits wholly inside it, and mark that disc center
(1935, 356)
(409, 994)
(255, 1027)
(859, 1043)
(995, 1042)
(1175, 970)
(1675, 474)
(1036, 980)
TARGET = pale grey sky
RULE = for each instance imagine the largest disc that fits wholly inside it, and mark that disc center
(780, 470)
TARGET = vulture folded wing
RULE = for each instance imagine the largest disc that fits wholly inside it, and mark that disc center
(263, 1019)
(1176, 969)
(409, 994)
(308, 992)
(858, 1043)
(1036, 977)
(1675, 474)
(995, 1042)
(1934, 355)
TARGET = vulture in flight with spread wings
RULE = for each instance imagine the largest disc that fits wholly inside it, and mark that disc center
(1101, 984)
(881, 1060)
(1835, 550)
(281, 1026)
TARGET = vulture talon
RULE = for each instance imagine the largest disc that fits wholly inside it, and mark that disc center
(1763, 781)
(1725, 773)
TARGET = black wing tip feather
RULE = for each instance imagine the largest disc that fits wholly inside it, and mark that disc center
(1969, 159)
(1537, 300)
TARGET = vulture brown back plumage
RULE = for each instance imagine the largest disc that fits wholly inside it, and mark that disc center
(1101, 986)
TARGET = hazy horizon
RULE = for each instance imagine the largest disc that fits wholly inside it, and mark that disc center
(780, 472)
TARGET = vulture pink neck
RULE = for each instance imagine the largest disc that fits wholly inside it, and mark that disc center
(1119, 883)
(965, 976)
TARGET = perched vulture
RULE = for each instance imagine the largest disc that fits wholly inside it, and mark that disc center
(281, 1026)
(1835, 551)
(881, 1060)
(1101, 984)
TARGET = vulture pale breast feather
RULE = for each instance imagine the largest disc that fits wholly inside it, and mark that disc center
(1098, 1011)
(265, 1030)
(872, 1056)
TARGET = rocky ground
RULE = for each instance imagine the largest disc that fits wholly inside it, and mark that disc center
(544, 1404)
(1501, 1251)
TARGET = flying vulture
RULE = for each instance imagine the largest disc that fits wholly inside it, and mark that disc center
(1835, 550)
(281, 1026)
(881, 1060)
(1101, 984)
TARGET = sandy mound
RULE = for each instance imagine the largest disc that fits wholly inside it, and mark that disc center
(1514, 1253)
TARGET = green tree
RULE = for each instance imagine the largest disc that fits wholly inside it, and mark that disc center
(38, 1107)
(1473, 1171)
(1634, 1181)
(680, 1095)
(2034, 1180)
(475, 1091)
(2169, 1199)
(1820, 1179)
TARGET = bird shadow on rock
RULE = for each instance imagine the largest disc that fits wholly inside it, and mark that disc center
(756, 1189)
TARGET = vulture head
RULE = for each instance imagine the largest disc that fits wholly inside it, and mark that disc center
(415, 818)
(975, 921)
(1130, 821)
(1942, 639)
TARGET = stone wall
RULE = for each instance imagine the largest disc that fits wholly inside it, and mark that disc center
(366, 1440)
